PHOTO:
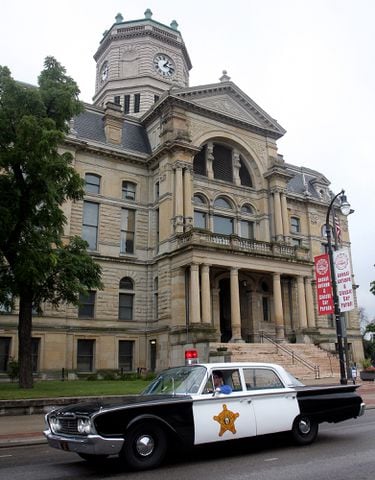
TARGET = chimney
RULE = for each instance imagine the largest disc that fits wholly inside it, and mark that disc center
(113, 123)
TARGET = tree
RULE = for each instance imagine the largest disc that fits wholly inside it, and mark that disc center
(36, 263)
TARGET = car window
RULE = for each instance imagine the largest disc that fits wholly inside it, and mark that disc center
(230, 377)
(256, 378)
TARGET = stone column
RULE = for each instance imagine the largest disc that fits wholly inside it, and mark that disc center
(206, 294)
(178, 200)
(216, 311)
(277, 214)
(309, 303)
(188, 201)
(301, 302)
(235, 306)
(195, 303)
(284, 214)
(278, 308)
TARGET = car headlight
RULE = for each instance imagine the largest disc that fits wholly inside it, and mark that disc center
(55, 424)
(84, 425)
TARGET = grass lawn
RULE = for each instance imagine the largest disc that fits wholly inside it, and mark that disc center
(72, 388)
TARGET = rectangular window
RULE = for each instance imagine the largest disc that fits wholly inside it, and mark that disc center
(125, 306)
(295, 226)
(126, 103)
(4, 353)
(86, 307)
(35, 348)
(156, 98)
(247, 229)
(117, 100)
(223, 225)
(85, 355)
(90, 224)
(125, 355)
(92, 183)
(127, 231)
(200, 219)
(137, 102)
(295, 242)
(128, 190)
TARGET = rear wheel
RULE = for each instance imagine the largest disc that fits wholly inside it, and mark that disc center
(304, 430)
(145, 446)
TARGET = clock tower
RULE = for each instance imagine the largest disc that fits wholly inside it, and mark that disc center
(137, 61)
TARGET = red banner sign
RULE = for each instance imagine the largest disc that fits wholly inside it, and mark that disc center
(323, 284)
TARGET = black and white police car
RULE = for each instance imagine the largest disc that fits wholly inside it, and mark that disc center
(185, 406)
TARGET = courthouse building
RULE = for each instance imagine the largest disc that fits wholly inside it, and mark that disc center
(204, 232)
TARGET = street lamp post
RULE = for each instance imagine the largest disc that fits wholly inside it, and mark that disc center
(345, 210)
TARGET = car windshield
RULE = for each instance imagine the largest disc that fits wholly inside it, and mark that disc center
(177, 381)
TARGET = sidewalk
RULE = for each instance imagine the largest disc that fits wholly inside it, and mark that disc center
(27, 429)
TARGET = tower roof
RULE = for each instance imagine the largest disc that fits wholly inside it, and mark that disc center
(141, 28)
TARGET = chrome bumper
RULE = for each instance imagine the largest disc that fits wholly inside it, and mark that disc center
(362, 409)
(90, 444)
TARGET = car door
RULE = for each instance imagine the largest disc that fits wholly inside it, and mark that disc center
(220, 417)
(275, 406)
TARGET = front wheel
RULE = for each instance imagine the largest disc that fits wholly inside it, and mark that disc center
(304, 430)
(145, 446)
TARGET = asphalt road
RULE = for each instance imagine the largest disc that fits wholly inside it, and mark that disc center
(343, 451)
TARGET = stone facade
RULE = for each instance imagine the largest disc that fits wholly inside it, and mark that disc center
(203, 231)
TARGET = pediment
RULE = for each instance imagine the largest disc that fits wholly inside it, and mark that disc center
(227, 99)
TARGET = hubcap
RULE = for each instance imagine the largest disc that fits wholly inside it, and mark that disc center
(304, 426)
(145, 445)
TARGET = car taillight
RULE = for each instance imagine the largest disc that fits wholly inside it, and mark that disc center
(191, 357)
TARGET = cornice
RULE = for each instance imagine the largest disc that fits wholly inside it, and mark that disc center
(125, 33)
(171, 100)
(105, 150)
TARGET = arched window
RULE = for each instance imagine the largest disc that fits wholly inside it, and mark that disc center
(222, 202)
(200, 213)
(126, 299)
(223, 224)
(199, 162)
(129, 190)
(199, 200)
(245, 177)
(126, 283)
(92, 183)
(247, 209)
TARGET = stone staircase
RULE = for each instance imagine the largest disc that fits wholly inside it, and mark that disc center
(304, 361)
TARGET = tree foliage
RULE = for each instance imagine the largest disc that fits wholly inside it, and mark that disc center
(37, 264)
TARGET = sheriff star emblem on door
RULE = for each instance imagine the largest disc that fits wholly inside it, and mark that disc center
(226, 418)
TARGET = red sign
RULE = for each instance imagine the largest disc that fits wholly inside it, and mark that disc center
(323, 284)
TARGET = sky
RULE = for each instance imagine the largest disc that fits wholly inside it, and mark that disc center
(309, 64)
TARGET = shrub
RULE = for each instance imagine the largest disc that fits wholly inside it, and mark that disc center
(13, 369)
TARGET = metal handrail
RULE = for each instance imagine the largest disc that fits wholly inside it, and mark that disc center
(311, 366)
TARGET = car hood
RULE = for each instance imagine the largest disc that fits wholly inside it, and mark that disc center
(90, 407)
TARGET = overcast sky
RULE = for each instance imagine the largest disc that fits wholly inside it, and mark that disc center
(309, 64)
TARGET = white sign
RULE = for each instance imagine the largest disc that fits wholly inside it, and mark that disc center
(343, 275)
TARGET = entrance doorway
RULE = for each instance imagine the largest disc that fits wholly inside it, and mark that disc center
(225, 313)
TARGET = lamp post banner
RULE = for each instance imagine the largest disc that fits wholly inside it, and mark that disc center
(323, 284)
(343, 275)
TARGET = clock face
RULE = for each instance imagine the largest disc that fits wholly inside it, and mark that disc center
(104, 72)
(164, 65)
